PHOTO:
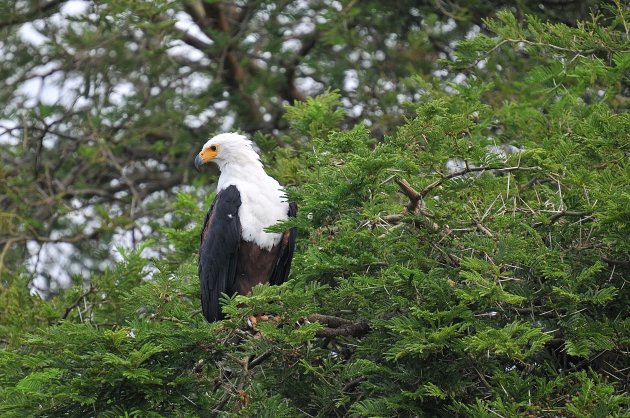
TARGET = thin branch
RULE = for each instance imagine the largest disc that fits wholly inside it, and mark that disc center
(467, 170)
(70, 239)
(336, 326)
(42, 10)
(353, 383)
(555, 217)
(76, 302)
(258, 360)
(622, 263)
(411, 193)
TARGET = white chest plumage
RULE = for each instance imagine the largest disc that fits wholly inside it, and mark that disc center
(263, 203)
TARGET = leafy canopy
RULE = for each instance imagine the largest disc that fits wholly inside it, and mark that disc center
(492, 279)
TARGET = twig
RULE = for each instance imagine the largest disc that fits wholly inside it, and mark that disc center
(336, 326)
(76, 302)
(353, 383)
(483, 228)
(559, 215)
(623, 263)
(257, 360)
(467, 170)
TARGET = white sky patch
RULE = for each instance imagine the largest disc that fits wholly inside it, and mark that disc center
(391, 40)
(121, 92)
(51, 260)
(75, 7)
(292, 45)
(223, 104)
(402, 98)
(228, 122)
(350, 80)
(57, 90)
(198, 82)
(386, 85)
(446, 27)
(9, 136)
(473, 32)
(29, 34)
(305, 27)
(440, 73)
(251, 38)
(185, 24)
(196, 121)
(86, 217)
(460, 78)
(308, 85)
(180, 49)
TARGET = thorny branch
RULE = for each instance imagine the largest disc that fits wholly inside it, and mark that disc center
(555, 217)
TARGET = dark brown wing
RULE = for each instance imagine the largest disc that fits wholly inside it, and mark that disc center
(285, 254)
(218, 251)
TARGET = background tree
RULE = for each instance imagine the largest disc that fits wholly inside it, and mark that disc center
(106, 102)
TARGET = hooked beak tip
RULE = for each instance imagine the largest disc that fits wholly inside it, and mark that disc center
(199, 162)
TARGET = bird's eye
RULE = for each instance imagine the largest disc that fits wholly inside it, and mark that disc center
(213, 147)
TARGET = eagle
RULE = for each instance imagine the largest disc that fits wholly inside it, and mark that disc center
(235, 252)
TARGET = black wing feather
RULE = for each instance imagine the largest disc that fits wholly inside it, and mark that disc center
(281, 270)
(218, 251)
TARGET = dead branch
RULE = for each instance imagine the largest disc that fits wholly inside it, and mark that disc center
(411, 193)
(416, 204)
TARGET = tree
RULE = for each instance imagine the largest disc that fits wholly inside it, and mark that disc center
(106, 102)
(495, 288)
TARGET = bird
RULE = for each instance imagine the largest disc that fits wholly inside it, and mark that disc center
(235, 251)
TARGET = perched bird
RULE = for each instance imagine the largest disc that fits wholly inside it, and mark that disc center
(236, 253)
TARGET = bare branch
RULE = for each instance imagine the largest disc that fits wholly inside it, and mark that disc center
(76, 302)
(555, 217)
(467, 170)
(338, 326)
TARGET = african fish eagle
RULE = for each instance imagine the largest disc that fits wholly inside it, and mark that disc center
(236, 253)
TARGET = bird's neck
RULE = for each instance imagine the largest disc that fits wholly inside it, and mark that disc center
(233, 173)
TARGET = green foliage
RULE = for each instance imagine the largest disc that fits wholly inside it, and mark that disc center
(495, 289)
